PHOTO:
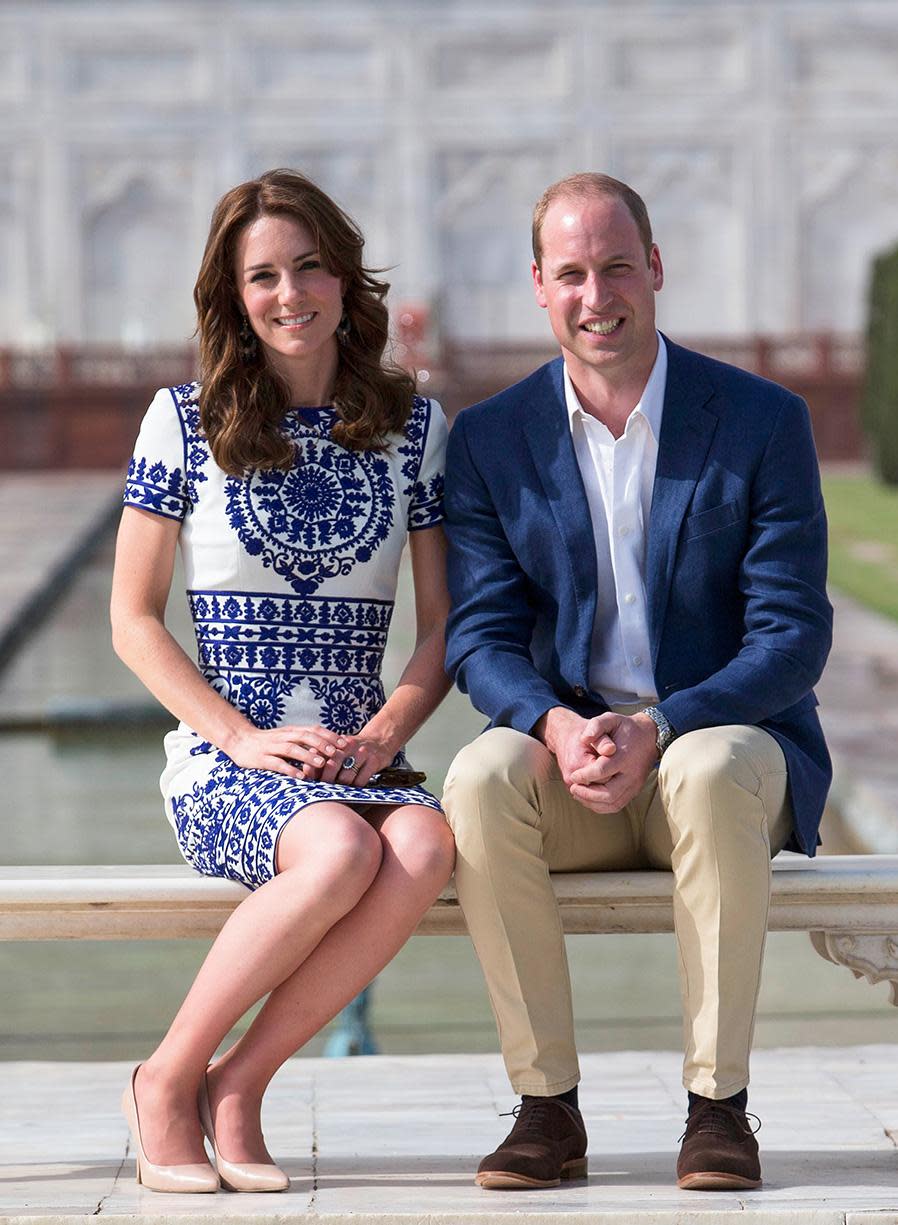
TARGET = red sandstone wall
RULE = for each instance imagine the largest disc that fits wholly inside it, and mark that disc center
(82, 410)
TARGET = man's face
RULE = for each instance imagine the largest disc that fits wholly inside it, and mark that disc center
(597, 284)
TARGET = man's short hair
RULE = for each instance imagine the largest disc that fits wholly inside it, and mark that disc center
(581, 187)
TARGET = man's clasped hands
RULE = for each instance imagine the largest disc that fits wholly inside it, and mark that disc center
(604, 761)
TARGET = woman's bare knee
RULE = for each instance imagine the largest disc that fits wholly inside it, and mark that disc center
(332, 841)
(420, 839)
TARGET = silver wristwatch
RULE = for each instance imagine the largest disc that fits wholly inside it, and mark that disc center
(665, 735)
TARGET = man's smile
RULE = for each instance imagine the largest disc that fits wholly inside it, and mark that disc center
(603, 327)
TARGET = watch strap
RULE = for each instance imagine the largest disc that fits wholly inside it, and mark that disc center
(666, 734)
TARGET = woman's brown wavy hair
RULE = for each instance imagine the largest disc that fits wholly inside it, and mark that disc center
(243, 401)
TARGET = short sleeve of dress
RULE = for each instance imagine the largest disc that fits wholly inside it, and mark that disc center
(426, 505)
(157, 478)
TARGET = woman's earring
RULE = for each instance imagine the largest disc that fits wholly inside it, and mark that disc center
(248, 343)
(343, 328)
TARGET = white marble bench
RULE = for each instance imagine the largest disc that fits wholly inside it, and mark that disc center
(848, 904)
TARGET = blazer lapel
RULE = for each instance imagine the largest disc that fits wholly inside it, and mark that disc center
(548, 435)
(687, 428)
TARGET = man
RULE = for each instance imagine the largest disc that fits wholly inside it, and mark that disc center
(637, 566)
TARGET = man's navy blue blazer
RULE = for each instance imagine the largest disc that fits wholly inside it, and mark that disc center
(739, 621)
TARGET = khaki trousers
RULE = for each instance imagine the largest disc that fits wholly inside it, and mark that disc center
(715, 812)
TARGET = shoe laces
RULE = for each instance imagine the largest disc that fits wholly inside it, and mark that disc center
(530, 1116)
(719, 1119)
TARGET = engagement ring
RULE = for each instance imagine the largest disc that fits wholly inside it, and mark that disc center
(349, 764)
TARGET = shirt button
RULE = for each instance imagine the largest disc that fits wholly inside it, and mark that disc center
(629, 598)
(579, 691)
(623, 531)
(637, 660)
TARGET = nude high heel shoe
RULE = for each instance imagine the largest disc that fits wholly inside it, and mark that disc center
(260, 1176)
(183, 1179)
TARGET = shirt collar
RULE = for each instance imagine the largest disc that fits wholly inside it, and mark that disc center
(651, 402)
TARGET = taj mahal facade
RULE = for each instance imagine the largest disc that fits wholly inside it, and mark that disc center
(763, 135)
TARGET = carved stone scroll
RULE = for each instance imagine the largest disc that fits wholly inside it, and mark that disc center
(870, 955)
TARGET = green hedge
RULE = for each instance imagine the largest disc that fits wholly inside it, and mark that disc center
(879, 407)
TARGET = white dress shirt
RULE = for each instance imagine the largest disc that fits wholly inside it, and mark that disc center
(618, 475)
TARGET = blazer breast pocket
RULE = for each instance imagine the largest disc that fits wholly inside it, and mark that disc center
(704, 522)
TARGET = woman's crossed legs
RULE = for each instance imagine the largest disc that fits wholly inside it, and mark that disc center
(348, 893)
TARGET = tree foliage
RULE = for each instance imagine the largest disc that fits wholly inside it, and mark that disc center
(879, 405)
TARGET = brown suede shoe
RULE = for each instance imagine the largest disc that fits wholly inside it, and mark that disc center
(720, 1152)
(546, 1144)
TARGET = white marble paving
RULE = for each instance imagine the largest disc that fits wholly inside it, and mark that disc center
(396, 1140)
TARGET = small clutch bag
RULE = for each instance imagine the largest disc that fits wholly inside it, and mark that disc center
(394, 776)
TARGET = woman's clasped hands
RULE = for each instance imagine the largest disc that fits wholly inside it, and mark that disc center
(313, 753)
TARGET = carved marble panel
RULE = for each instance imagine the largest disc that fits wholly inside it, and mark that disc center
(847, 198)
(23, 320)
(508, 62)
(484, 199)
(678, 51)
(852, 53)
(138, 268)
(16, 65)
(149, 66)
(330, 66)
(9, 307)
(124, 71)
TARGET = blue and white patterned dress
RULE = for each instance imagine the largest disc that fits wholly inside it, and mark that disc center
(291, 578)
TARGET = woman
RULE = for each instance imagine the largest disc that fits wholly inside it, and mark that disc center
(291, 478)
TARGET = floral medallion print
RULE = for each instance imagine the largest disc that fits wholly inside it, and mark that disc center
(347, 705)
(329, 513)
(261, 698)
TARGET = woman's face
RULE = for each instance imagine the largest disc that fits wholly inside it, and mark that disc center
(292, 302)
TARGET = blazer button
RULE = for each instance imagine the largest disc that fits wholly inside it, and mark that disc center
(579, 691)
